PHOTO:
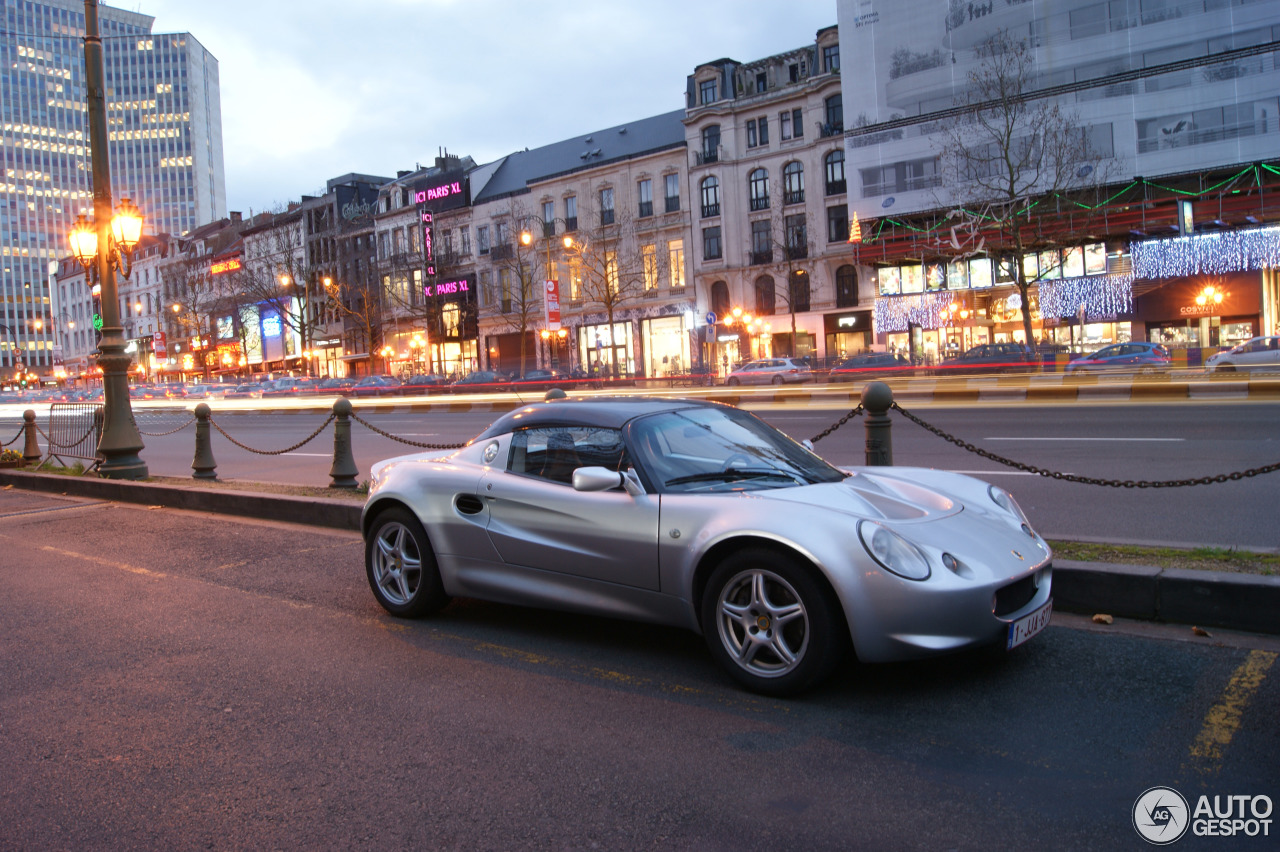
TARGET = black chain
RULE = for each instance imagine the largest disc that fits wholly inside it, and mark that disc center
(301, 443)
(54, 443)
(1086, 480)
(170, 432)
(21, 429)
(371, 427)
(834, 426)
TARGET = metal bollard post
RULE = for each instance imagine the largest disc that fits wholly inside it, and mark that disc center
(30, 450)
(203, 464)
(344, 470)
(876, 399)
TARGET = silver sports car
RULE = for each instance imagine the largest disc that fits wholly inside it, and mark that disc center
(701, 515)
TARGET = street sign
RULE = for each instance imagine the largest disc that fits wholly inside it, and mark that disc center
(711, 318)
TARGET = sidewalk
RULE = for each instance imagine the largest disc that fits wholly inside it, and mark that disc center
(1201, 598)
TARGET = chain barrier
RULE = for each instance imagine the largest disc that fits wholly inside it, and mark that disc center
(141, 431)
(14, 439)
(301, 443)
(1086, 480)
(54, 443)
(857, 410)
(372, 428)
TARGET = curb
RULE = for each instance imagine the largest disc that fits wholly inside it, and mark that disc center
(1204, 598)
(1180, 595)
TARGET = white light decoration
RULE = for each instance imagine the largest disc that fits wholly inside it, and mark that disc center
(1212, 253)
(927, 310)
(1102, 296)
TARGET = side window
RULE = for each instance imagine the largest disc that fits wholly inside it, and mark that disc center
(554, 453)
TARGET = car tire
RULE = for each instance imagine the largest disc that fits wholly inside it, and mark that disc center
(732, 382)
(401, 566)
(744, 598)
(777, 380)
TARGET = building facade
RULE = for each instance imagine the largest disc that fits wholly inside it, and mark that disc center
(164, 133)
(1177, 103)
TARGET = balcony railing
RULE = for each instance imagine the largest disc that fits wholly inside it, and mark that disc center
(836, 187)
(760, 203)
(710, 210)
(501, 252)
(673, 204)
(706, 157)
(793, 197)
(646, 209)
(761, 256)
(797, 252)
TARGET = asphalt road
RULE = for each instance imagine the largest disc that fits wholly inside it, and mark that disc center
(1154, 442)
(176, 680)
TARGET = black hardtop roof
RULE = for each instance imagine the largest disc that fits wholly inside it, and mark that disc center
(606, 412)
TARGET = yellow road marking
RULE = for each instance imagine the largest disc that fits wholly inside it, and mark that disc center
(1223, 719)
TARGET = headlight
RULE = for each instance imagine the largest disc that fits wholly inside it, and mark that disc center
(893, 552)
(1005, 501)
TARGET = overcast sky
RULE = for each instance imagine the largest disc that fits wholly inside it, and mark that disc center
(314, 90)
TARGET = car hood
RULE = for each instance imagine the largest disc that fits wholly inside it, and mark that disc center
(870, 496)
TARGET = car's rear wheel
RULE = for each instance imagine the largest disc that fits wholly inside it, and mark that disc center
(732, 381)
(770, 623)
(777, 380)
(402, 567)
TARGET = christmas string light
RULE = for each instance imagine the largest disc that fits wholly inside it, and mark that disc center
(927, 310)
(1209, 254)
(1101, 295)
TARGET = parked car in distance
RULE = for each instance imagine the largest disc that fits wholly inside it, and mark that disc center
(244, 391)
(536, 380)
(992, 358)
(340, 385)
(1260, 353)
(869, 365)
(563, 500)
(479, 382)
(1134, 357)
(207, 391)
(770, 371)
(425, 383)
(377, 386)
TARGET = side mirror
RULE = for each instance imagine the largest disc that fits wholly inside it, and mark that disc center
(603, 479)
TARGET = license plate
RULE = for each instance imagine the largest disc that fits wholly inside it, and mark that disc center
(1029, 625)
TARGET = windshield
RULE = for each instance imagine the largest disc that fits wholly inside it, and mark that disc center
(721, 449)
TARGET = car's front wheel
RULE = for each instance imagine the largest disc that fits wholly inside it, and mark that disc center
(401, 566)
(770, 623)
(732, 382)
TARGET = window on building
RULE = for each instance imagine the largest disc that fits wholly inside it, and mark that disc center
(796, 236)
(707, 92)
(837, 223)
(710, 196)
(672, 187)
(846, 287)
(649, 266)
(833, 115)
(644, 190)
(675, 257)
(482, 239)
(711, 248)
(502, 234)
(611, 272)
(763, 123)
(571, 212)
(762, 82)
(465, 249)
(720, 299)
(905, 176)
(834, 163)
(798, 286)
(793, 183)
(606, 206)
(831, 58)
(766, 296)
(784, 119)
(761, 242)
(548, 218)
(504, 289)
(751, 133)
(710, 144)
(575, 279)
(797, 123)
(793, 72)
(758, 189)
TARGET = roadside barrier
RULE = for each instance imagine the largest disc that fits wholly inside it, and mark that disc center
(74, 431)
(877, 402)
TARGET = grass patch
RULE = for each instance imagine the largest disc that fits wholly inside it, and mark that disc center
(1200, 558)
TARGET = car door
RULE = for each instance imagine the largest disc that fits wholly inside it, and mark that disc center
(537, 520)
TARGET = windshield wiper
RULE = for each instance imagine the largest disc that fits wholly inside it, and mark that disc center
(731, 475)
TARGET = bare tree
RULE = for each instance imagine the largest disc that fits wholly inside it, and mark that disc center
(198, 298)
(279, 276)
(610, 264)
(518, 296)
(1006, 152)
(787, 250)
(362, 306)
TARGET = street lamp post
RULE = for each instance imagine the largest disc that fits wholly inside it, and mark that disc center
(526, 239)
(93, 245)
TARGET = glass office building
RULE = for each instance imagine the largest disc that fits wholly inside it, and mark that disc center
(165, 136)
